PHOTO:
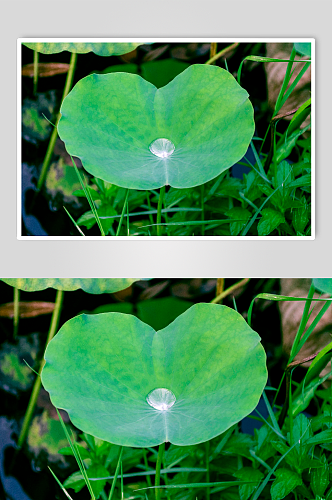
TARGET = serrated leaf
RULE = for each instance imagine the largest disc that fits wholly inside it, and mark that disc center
(253, 476)
(285, 483)
(242, 214)
(320, 478)
(270, 220)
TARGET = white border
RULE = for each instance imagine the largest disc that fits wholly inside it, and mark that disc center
(167, 238)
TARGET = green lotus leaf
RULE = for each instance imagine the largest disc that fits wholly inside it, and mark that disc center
(129, 133)
(323, 285)
(303, 48)
(89, 285)
(101, 49)
(125, 383)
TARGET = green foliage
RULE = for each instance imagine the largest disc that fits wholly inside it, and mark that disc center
(124, 114)
(195, 352)
(201, 360)
(285, 483)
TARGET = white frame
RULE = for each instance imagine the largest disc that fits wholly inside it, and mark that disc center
(161, 40)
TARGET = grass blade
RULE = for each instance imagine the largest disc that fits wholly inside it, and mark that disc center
(77, 456)
(77, 227)
(122, 213)
(116, 473)
(279, 298)
(89, 198)
(59, 483)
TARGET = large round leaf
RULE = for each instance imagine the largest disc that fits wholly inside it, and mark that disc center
(323, 285)
(90, 285)
(101, 49)
(125, 383)
(202, 122)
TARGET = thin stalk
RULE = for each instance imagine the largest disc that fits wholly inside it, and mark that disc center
(116, 473)
(303, 323)
(166, 479)
(49, 152)
(164, 211)
(207, 465)
(35, 71)
(285, 82)
(122, 213)
(221, 53)
(37, 384)
(88, 197)
(202, 208)
(16, 310)
(288, 374)
(122, 494)
(127, 218)
(229, 290)
(160, 204)
(220, 286)
(150, 208)
(161, 451)
(213, 50)
(148, 478)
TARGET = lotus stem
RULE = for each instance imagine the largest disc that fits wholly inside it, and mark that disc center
(213, 50)
(229, 290)
(122, 213)
(37, 384)
(220, 286)
(160, 204)
(158, 467)
(202, 207)
(49, 152)
(221, 53)
(116, 473)
(16, 310)
(148, 478)
(207, 465)
(35, 71)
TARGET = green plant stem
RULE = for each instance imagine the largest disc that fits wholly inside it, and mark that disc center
(213, 50)
(148, 478)
(207, 465)
(16, 310)
(221, 53)
(150, 208)
(127, 218)
(116, 473)
(202, 207)
(49, 152)
(303, 323)
(160, 204)
(37, 384)
(229, 290)
(35, 71)
(158, 467)
(122, 213)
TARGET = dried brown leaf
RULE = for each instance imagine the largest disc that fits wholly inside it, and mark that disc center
(26, 309)
(45, 69)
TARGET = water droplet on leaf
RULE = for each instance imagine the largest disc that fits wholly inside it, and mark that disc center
(162, 148)
(161, 399)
